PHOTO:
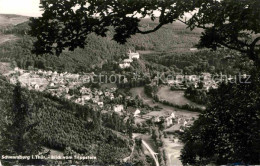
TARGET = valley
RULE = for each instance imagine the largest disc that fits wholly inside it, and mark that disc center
(116, 121)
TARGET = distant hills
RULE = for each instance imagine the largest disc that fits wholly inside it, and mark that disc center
(99, 51)
(169, 47)
(12, 19)
(7, 21)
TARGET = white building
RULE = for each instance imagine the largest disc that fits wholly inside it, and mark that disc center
(157, 119)
(172, 115)
(86, 97)
(36, 87)
(133, 55)
(168, 121)
(84, 90)
(118, 108)
(67, 96)
(127, 62)
(100, 104)
(193, 49)
(185, 123)
(137, 112)
(78, 100)
(52, 84)
(49, 73)
(124, 65)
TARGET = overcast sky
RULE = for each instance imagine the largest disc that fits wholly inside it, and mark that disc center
(21, 7)
(24, 7)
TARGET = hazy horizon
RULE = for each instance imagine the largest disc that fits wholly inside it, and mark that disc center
(21, 7)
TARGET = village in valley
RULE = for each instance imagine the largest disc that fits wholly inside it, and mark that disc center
(167, 107)
(74, 87)
(129, 83)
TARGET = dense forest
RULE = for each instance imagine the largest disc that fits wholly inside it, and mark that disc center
(170, 45)
(168, 49)
(63, 126)
(222, 61)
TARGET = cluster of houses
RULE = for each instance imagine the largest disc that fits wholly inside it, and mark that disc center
(203, 81)
(120, 109)
(69, 86)
(173, 119)
(95, 96)
(62, 85)
(127, 62)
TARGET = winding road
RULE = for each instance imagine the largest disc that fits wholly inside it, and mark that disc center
(147, 147)
(152, 153)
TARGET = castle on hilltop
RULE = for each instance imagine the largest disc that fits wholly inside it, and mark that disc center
(127, 62)
(133, 55)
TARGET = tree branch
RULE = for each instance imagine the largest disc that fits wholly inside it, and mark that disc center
(198, 26)
(232, 47)
(162, 22)
(150, 31)
(253, 44)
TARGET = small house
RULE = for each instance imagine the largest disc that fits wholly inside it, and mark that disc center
(118, 108)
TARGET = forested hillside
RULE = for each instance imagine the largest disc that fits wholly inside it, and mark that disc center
(169, 48)
(11, 19)
(98, 51)
(62, 125)
(222, 61)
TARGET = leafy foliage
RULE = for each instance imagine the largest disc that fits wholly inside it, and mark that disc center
(196, 95)
(228, 131)
(66, 24)
(230, 23)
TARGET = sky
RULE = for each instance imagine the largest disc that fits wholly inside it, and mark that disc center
(20, 7)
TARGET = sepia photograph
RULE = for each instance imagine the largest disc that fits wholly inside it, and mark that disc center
(129, 82)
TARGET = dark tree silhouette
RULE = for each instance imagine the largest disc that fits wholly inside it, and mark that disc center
(229, 23)
(228, 130)
(66, 24)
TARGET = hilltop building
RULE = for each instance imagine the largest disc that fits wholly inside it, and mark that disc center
(127, 62)
(133, 55)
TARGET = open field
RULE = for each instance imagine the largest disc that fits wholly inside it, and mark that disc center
(175, 97)
(166, 110)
